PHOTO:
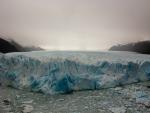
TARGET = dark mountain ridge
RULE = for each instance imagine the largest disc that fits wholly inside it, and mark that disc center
(142, 47)
(7, 46)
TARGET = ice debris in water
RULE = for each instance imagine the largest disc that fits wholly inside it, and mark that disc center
(64, 72)
(118, 109)
(27, 108)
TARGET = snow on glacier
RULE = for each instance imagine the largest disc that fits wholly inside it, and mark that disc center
(52, 72)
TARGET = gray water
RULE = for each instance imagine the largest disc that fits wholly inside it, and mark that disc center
(133, 98)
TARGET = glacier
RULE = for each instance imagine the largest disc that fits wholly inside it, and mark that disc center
(55, 72)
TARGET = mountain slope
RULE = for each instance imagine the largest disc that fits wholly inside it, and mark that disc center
(139, 47)
(6, 46)
(12, 46)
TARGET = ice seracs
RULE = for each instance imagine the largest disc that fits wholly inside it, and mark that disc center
(66, 71)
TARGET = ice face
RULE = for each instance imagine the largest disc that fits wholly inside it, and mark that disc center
(64, 72)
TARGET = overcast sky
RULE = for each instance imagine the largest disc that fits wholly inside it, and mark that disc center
(75, 24)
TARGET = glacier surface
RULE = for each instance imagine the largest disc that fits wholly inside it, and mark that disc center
(53, 72)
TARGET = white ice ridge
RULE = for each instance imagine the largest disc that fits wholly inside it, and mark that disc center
(52, 72)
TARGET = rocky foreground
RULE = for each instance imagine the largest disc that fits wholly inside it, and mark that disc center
(134, 98)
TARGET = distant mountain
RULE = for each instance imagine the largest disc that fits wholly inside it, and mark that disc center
(139, 47)
(7, 46)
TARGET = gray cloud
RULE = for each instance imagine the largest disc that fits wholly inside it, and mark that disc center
(75, 24)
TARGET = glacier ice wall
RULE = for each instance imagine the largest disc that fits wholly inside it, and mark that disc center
(64, 72)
